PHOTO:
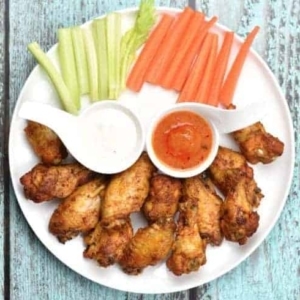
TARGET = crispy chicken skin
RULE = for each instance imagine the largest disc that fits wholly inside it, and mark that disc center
(79, 212)
(45, 143)
(148, 246)
(128, 190)
(107, 242)
(209, 207)
(163, 198)
(257, 145)
(239, 221)
(227, 169)
(188, 251)
(44, 183)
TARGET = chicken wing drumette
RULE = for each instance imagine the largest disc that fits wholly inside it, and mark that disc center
(128, 190)
(226, 171)
(188, 251)
(45, 143)
(257, 145)
(209, 207)
(44, 183)
(148, 246)
(79, 212)
(163, 198)
(107, 242)
(239, 221)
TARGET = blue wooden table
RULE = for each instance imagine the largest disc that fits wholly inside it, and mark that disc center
(28, 270)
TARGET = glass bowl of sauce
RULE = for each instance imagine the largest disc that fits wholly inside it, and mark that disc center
(182, 142)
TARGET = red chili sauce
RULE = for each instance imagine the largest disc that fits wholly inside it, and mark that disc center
(182, 140)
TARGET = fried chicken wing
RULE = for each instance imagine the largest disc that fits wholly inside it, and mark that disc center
(188, 251)
(257, 145)
(163, 198)
(209, 207)
(148, 246)
(45, 143)
(239, 221)
(44, 183)
(107, 242)
(79, 212)
(226, 171)
(128, 190)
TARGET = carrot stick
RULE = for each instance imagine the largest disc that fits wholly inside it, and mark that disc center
(169, 46)
(137, 75)
(193, 81)
(179, 81)
(202, 93)
(182, 51)
(229, 86)
(221, 66)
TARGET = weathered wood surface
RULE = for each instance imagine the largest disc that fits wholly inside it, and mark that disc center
(272, 272)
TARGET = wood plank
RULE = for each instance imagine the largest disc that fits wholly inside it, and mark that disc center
(3, 153)
(35, 272)
(273, 270)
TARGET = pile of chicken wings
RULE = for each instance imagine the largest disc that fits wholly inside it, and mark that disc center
(183, 215)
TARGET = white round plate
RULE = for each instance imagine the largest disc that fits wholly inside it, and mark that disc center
(256, 82)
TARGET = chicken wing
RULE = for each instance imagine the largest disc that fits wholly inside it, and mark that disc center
(163, 198)
(79, 212)
(128, 190)
(226, 171)
(44, 183)
(107, 242)
(238, 221)
(148, 246)
(257, 145)
(45, 143)
(188, 251)
(209, 208)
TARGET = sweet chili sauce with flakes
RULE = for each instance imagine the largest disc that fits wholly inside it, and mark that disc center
(182, 140)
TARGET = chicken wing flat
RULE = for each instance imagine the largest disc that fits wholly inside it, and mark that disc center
(148, 246)
(188, 251)
(163, 198)
(45, 143)
(239, 221)
(226, 171)
(209, 208)
(44, 183)
(79, 212)
(257, 145)
(128, 190)
(107, 242)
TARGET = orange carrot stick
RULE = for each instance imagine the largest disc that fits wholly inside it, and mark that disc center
(183, 51)
(169, 45)
(205, 85)
(185, 68)
(229, 86)
(136, 77)
(193, 81)
(221, 66)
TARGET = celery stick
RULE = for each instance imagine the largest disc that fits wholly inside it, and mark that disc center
(67, 63)
(80, 60)
(134, 38)
(56, 78)
(113, 36)
(92, 62)
(99, 30)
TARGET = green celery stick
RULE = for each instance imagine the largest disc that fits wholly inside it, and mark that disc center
(56, 78)
(91, 62)
(80, 60)
(99, 30)
(67, 63)
(113, 36)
